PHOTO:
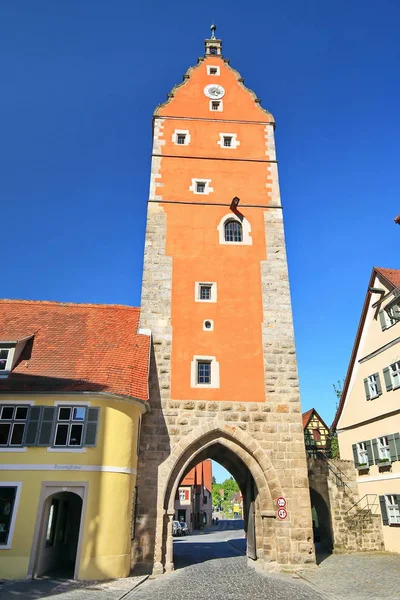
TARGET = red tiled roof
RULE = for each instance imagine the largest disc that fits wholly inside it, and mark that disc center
(76, 348)
(307, 416)
(392, 275)
(189, 478)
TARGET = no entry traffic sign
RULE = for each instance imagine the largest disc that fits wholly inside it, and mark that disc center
(282, 514)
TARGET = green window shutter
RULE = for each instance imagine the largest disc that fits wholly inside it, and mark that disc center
(369, 452)
(47, 426)
(378, 384)
(32, 426)
(375, 449)
(397, 444)
(385, 518)
(366, 386)
(392, 447)
(91, 427)
(355, 455)
(382, 319)
(388, 379)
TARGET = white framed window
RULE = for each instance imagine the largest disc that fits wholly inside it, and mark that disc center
(182, 496)
(374, 390)
(383, 448)
(213, 70)
(389, 316)
(181, 137)
(394, 371)
(10, 493)
(69, 426)
(205, 291)
(228, 140)
(234, 230)
(204, 372)
(216, 105)
(393, 509)
(201, 186)
(362, 453)
(6, 360)
(13, 419)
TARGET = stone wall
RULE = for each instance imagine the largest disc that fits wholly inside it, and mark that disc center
(355, 524)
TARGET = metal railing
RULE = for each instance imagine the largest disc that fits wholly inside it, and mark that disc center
(339, 474)
(368, 503)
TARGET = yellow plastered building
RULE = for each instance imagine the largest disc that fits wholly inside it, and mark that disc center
(73, 388)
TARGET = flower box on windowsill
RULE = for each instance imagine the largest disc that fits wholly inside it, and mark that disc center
(363, 467)
(384, 463)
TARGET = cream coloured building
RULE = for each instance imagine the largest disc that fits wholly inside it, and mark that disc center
(368, 417)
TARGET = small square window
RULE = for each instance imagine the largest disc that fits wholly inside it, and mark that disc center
(215, 104)
(213, 70)
(227, 141)
(205, 292)
(200, 187)
(181, 138)
(204, 372)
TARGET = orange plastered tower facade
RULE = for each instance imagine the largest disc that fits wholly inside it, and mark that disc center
(216, 297)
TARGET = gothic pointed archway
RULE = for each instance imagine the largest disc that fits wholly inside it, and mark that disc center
(249, 465)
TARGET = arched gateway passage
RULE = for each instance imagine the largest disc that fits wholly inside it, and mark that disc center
(250, 467)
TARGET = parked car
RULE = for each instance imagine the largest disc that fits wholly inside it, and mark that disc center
(184, 528)
(176, 528)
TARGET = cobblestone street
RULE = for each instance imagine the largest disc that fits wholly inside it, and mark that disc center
(212, 564)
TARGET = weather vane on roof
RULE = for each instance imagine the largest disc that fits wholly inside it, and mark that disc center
(213, 28)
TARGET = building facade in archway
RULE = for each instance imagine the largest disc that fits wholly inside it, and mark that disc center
(223, 372)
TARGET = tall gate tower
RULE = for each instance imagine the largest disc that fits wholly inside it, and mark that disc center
(216, 298)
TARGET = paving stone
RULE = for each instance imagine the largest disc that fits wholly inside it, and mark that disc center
(359, 576)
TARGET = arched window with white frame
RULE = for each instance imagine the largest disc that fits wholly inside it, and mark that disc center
(233, 231)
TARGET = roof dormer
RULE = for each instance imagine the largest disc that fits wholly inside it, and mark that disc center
(10, 351)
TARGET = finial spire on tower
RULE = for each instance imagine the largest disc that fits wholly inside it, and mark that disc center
(213, 45)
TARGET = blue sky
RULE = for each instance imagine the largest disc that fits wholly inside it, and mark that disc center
(80, 80)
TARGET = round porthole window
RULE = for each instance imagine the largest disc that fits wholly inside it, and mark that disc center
(208, 325)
